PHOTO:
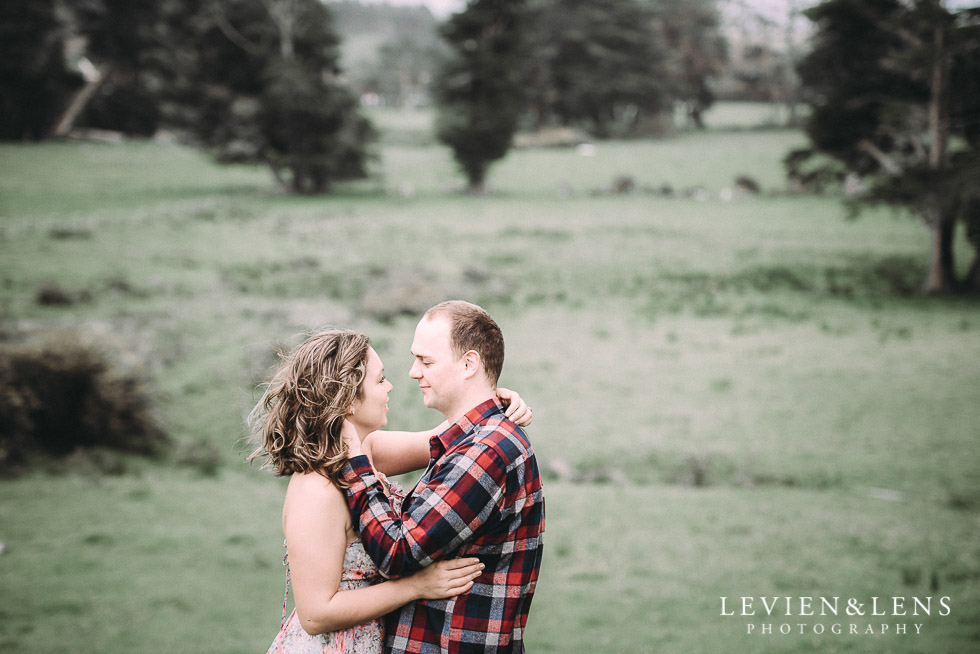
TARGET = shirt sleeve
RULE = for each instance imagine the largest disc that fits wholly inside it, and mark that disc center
(437, 519)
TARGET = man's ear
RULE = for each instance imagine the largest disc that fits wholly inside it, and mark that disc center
(471, 363)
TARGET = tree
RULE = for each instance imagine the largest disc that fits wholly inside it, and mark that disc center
(479, 90)
(390, 51)
(119, 37)
(695, 51)
(35, 79)
(901, 108)
(249, 80)
(619, 67)
(402, 72)
(263, 85)
(765, 42)
(64, 62)
(597, 64)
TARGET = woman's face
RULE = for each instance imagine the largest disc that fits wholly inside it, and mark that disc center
(371, 408)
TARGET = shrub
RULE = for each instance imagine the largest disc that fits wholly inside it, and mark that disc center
(52, 294)
(64, 393)
(201, 456)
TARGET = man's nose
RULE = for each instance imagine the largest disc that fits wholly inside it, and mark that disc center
(414, 372)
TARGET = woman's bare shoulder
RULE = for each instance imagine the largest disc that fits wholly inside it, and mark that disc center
(311, 500)
(313, 487)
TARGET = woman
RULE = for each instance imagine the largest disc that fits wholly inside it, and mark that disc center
(334, 378)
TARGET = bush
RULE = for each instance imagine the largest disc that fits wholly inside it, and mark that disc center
(65, 393)
(201, 456)
(52, 294)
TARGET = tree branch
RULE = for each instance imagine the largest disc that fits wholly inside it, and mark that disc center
(886, 162)
(285, 14)
(907, 36)
(94, 78)
(229, 30)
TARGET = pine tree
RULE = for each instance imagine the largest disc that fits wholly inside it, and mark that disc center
(597, 64)
(261, 82)
(894, 91)
(479, 91)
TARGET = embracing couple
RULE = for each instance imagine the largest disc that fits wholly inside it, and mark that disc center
(449, 566)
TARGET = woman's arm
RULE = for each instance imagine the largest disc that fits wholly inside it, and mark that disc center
(315, 520)
(398, 452)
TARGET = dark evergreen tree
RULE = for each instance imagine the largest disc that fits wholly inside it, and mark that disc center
(261, 82)
(597, 64)
(249, 80)
(894, 94)
(311, 133)
(479, 91)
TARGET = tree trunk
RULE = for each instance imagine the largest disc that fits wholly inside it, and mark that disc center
(971, 283)
(476, 178)
(938, 105)
(477, 188)
(941, 220)
(940, 277)
(94, 78)
(790, 83)
(971, 215)
(284, 14)
(281, 181)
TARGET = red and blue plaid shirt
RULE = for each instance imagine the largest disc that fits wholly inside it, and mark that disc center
(480, 496)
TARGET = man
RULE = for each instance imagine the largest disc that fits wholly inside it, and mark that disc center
(480, 496)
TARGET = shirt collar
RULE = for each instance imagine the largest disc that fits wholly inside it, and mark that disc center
(460, 428)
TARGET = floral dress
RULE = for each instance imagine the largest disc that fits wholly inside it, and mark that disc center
(359, 571)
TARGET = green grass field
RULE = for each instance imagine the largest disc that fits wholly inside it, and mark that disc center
(732, 398)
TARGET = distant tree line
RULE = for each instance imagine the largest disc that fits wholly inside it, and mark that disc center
(395, 51)
(260, 80)
(893, 86)
(390, 52)
(619, 67)
(248, 80)
(610, 67)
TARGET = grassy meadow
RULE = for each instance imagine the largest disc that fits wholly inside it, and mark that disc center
(733, 397)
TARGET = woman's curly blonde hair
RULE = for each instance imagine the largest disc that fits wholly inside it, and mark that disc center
(297, 423)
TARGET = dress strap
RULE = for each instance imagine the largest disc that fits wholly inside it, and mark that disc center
(285, 599)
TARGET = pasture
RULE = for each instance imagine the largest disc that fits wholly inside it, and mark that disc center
(738, 397)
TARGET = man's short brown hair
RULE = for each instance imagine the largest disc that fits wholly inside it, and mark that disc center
(472, 328)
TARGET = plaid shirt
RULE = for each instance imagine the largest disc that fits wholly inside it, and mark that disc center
(480, 496)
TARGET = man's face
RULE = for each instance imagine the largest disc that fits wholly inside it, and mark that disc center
(436, 369)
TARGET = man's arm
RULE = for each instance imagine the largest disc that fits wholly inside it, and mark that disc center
(440, 517)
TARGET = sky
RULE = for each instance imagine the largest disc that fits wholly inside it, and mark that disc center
(439, 8)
